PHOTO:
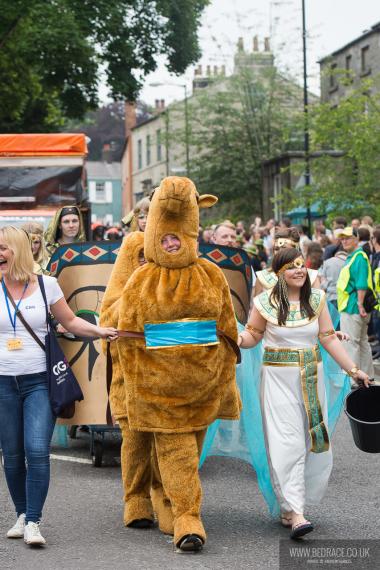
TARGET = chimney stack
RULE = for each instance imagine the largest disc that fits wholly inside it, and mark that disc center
(157, 104)
(107, 153)
(130, 117)
(215, 70)
(255, 44)
(162, 104)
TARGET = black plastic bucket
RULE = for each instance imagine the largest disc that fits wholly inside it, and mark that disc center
(362, 407)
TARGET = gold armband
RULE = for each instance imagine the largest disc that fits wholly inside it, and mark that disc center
(326, 334)
(253, 331)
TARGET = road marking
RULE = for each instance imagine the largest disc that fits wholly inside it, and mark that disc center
(72, 459)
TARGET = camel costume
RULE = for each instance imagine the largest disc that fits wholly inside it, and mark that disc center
(181, 377)
(146, 478)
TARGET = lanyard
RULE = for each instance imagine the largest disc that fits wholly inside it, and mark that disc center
(13, 320)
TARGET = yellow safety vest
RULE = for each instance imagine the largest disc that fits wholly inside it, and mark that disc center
(376, 279)
(344, 278)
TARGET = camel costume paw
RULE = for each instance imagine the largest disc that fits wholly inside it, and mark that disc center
(163, 511)
(188, 525)
(137, 509)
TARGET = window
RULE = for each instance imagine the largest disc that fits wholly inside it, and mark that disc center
(349, 71)
(365, 60)
(139, 154)
(100, 191)
(159, 147)
(148, 149)
(333, 81)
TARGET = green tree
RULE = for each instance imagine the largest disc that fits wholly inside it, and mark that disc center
(349, 182)
(236, 124)
(54, 53)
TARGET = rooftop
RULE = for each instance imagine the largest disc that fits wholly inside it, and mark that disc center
(101, 169)
(374, 29)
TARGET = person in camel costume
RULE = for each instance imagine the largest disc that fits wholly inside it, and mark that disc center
(147, 483)
(179, 370)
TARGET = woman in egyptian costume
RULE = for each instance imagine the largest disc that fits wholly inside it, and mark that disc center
(267, 278)
(292, 393)
(57, 234)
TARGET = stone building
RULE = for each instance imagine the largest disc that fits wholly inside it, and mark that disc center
(150, 153)
(350, 64)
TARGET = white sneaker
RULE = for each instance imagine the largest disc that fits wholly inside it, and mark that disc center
(32, 534)
(17, 531)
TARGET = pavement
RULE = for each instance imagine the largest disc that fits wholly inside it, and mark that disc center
(84, 529)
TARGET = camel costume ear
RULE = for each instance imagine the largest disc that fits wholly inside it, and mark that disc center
(207, 200)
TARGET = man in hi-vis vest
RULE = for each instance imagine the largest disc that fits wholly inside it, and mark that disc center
(354, 280)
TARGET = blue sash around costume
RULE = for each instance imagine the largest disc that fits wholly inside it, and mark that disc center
(244, 438)
(179, 333)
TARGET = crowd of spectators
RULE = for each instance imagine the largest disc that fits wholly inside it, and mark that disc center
(323, 250)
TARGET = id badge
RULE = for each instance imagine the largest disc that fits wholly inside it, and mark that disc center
(14, 344)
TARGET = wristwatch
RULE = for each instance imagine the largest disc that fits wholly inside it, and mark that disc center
(354, 370)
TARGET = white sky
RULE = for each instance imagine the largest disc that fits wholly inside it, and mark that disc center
(330, 25)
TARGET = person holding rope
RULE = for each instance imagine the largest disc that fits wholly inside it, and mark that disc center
(26, 417)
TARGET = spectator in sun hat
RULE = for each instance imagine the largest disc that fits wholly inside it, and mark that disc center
(355, 279)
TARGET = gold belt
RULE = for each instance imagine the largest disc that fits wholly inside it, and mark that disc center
(289, 356)
(307, 359)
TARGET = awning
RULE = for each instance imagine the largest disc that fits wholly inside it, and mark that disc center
(57, 144)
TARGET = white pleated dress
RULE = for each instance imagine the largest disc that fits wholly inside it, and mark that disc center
(299, 476)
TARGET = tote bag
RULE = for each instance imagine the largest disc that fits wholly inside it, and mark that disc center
(64, 389)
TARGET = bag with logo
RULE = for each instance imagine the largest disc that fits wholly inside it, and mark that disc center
(64, 389)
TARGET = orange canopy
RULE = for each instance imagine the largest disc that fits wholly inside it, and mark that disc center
(58, 144)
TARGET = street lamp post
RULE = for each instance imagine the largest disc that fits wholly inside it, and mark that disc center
(187, 122)
(187, 133)
(306, 120)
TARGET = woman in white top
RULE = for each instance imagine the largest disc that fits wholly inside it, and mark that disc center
(26, 418)
(291, 318)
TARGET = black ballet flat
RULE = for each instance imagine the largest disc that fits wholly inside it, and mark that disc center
(190, 543)
(299, 530)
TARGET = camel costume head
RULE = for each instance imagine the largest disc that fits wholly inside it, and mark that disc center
(177, 387)
(174, 210)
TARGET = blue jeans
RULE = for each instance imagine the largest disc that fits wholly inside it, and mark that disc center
(26, 429)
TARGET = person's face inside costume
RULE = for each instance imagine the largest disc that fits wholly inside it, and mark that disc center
(35, 244)
(142, 259)
(69, 226)
(295, 273)
(141, 220)
(171, 243)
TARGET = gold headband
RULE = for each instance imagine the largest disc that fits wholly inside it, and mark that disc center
(285, 242)
(297, 263)
(34, 237)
